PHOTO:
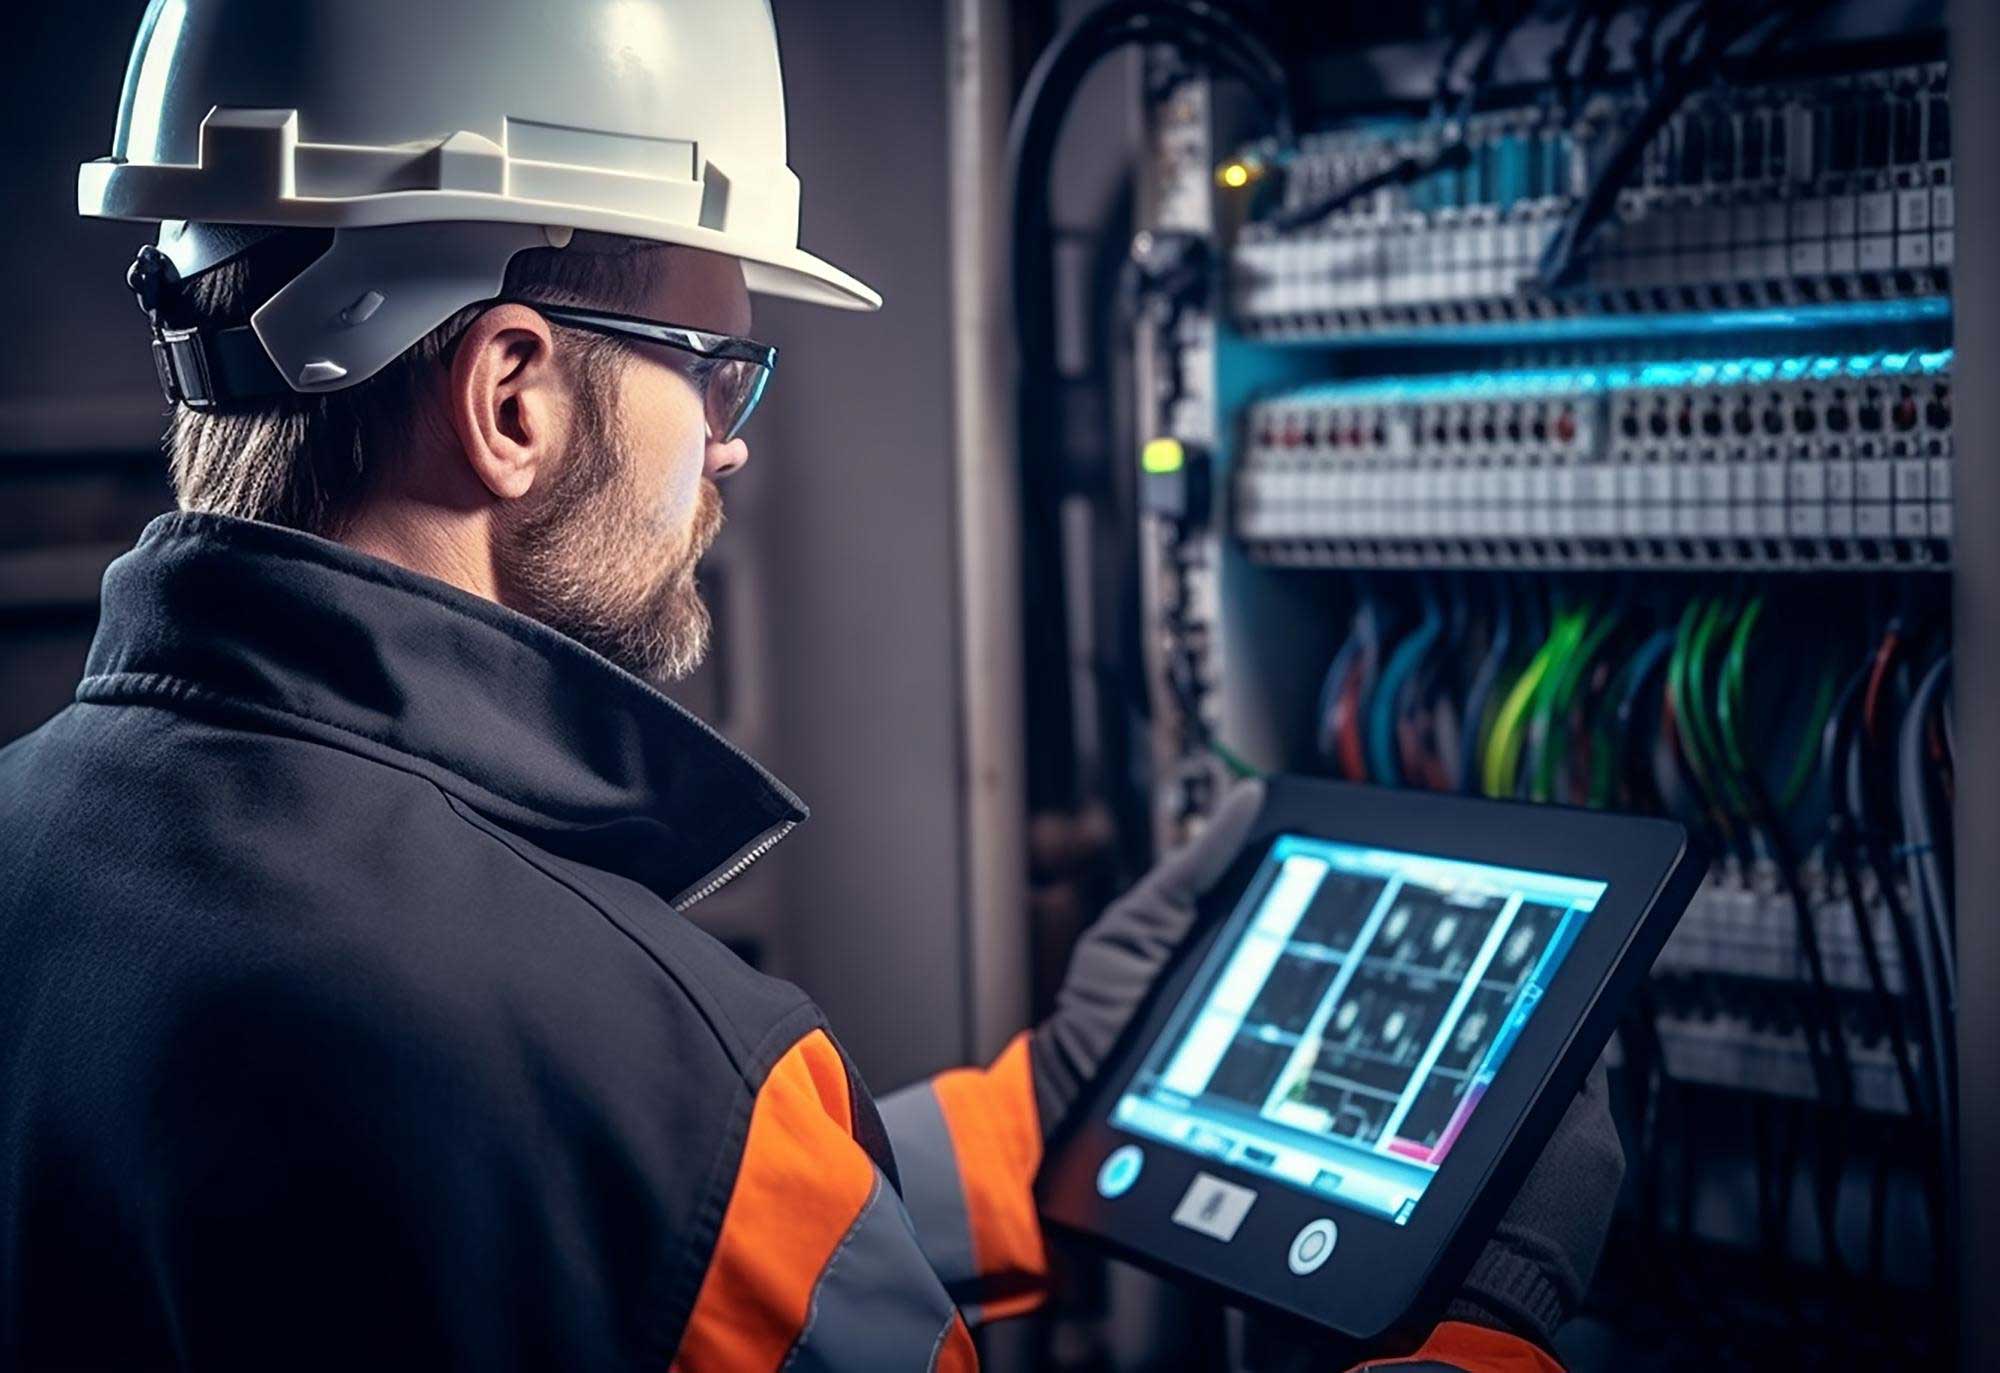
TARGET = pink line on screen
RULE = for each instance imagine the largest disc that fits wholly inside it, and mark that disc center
(1458, 1119)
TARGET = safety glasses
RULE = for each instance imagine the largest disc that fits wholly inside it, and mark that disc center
(729, 372)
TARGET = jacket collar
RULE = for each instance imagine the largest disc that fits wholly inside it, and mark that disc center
(295, 634)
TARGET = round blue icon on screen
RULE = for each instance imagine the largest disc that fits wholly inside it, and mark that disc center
(1120, 1170)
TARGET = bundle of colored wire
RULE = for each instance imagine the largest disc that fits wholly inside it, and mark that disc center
(1937, 964)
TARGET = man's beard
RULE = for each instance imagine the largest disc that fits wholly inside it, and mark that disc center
(587, 558)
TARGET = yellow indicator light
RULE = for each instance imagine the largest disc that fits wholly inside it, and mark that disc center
(1234, 175)
(1161, 456)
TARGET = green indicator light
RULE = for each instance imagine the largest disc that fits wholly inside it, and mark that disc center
(1161, 456)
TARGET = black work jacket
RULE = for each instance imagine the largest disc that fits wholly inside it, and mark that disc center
(347, 1020)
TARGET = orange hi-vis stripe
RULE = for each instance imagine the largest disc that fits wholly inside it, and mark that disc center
(1471, 1349)
(956, 1354)
(996, 1137)
(800, 1185)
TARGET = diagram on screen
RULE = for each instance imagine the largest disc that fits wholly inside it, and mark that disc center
(1362, 1005)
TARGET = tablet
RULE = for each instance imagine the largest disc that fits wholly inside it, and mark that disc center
(1337, 1086)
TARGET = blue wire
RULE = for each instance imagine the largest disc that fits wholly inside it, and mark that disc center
(1481, 691)
(1382, 710)
(1336, 673)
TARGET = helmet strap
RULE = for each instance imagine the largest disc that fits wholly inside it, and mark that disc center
(203, 369)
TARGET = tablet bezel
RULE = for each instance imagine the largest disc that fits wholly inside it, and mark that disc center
(1381, 1274)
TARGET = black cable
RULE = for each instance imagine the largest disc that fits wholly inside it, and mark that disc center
(1452, 155)
(1196, 28)
(1836, 737)
(1567, 249)
(1405, 171)
(1564, 53)
(1677, 48)
(1644, 65)
(1832, 1064)
(1841, 748)
(1454, 51)
(1504, 29)
(1480, 694)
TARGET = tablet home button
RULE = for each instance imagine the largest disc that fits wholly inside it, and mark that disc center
(1120, 1171)
(1214, 1207)
(1312, 1246)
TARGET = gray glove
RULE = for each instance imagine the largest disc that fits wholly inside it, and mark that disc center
(1533, 1272)
(1120, 956)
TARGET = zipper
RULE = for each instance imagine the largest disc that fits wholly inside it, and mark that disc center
(760, 846)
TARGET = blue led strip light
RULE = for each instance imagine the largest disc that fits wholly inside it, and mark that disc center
(1589, 380)
(1702, 323)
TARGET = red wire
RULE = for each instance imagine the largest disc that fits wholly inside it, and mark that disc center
(1878, 676)
(1347, 723)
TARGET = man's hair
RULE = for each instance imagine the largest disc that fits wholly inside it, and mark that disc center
(309, 461)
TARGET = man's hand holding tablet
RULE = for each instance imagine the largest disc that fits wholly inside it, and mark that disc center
(1312, 1057)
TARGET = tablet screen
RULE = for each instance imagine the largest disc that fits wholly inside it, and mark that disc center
(1351, 1014)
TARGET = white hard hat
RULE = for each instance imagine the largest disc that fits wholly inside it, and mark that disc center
(437, 138)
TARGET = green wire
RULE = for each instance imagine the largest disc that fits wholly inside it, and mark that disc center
(1807, 762)
(1719, 779)
(1730, 702)
(1563, 699)
(1703, 748)
(1503, 754)
(1536, 739)
(1677, 691)
(1231, 760)
(1730, 762)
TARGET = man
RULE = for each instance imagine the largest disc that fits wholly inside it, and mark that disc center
(348, 1016)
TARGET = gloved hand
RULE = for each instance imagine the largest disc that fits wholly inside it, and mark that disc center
(1120, 956)
(1533, 1272)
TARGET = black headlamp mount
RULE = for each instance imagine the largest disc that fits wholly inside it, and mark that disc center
(203, 369)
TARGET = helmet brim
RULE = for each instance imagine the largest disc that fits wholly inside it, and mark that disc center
(798, 275)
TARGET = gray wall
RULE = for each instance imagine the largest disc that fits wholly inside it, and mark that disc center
(855, 531)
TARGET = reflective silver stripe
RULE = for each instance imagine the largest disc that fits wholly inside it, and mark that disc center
(931, 1186)
(877, 1303)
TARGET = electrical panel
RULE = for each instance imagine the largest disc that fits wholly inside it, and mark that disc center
(1658, 516)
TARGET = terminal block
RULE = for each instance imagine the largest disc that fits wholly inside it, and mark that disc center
(1835, 190)
(1771, 463)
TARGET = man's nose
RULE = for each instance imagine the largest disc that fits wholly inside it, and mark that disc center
(723, 458)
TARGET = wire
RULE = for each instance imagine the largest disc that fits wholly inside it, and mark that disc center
(1382, 765)
(1832, 1064)
(1689, 733)
(1801, 771)
(1650, 658)
(1427, 732)
(1479, 695)
(1184, 697)
(1510, 22)
(1568, 247)
(1349, 702)
(1926, 882)
(1453, 155)
(1503, 748)
(1336, 679)
(1928, 1108)
(1560, 697)
(1203, 31)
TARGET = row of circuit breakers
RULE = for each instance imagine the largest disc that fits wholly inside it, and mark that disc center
(1795, 462)
(1834, 190)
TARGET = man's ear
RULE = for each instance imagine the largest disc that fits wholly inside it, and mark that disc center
(508, 401)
